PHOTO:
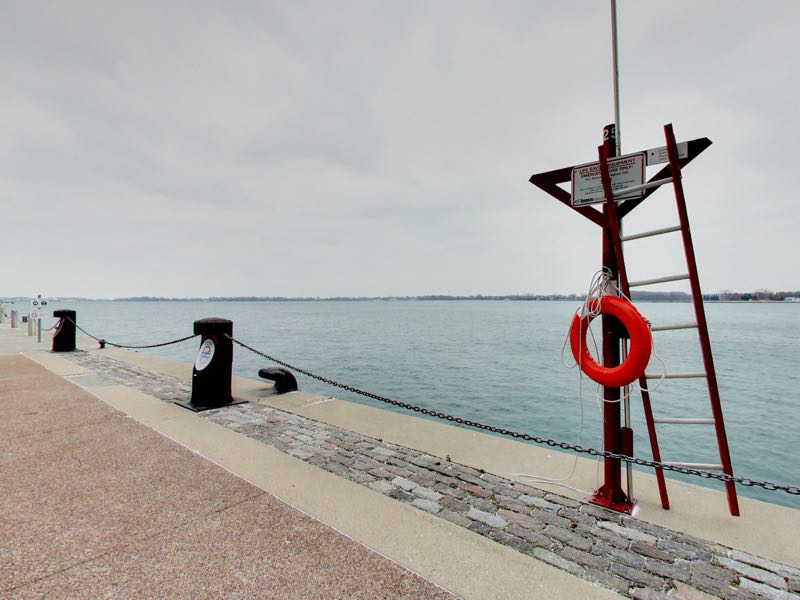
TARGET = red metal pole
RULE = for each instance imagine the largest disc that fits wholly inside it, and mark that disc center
(610, 494)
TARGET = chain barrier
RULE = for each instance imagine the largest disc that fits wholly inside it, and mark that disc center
(183, 339)
(745, 481)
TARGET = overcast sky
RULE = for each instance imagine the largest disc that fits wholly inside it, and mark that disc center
(381, 148)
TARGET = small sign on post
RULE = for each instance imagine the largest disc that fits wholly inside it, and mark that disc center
(657, 156)
(626, 171)
(40, 306)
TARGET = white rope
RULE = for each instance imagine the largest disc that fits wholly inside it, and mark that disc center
(602, 283)
(601, 280)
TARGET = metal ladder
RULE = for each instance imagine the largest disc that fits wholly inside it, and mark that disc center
(700, 320)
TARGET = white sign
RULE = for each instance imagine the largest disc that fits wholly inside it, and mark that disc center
(34, 315)
(40, 306)
(204, 355)
(657, 156)
(625, 171)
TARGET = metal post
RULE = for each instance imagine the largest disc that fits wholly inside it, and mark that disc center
(38, 331)
(615, 438)
(30, 326)
(212, 373)
(615, 67)
(65, 331)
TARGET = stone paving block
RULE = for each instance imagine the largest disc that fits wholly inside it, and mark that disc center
(793, 584)
(511, 504)
(763, 563)
(535, 538)
(680, 571)
(648, 594)
(637, 576)
(608, 579)
(403, 483)
(765, 591)
(562, 500)
(754, 573)
(483, 504)
(489, 519)
(550, 518)
(510, 540)
(587, 559)
(476, 490)
(569, 537)
(382, 486)
(618, 555)
(522, 520)
(538, 502)
(683, 591)
(600, 513)
(480, 528)
(712, 579)
(401, 495)
(426, 505)
(651, 551)
(558, 561)
(678, 550)
(451, 503)
(426, 493)
(455, 518)
(627, 532)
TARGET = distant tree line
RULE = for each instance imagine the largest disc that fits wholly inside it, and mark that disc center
(758, 295)
(638, 296)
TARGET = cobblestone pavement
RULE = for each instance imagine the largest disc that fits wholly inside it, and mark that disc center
(635, 558)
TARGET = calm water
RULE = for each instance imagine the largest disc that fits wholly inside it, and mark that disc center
(500, 363)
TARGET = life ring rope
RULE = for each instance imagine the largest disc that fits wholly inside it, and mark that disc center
(601, 300)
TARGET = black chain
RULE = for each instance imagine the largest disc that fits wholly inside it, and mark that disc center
(789, 489)
(183, 339)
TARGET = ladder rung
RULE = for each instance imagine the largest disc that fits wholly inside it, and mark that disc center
(644, 234)
(673, 326)
(681, 421)
(658, 280)
(644, 186)
(699, 466)
(693, 375)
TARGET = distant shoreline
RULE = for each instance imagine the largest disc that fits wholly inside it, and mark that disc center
(636, 296)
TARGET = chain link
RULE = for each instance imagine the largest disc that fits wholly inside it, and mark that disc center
(789, 489)
(183, 339)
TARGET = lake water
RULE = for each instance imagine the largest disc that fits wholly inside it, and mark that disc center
(500, 363)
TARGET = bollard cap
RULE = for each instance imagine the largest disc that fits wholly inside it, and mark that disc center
(213, 326)
(64, 313)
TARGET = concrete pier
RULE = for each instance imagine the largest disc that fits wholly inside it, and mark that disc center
(435, 510)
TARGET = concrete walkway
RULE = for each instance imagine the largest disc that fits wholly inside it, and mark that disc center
(386, 480)
(95, 504)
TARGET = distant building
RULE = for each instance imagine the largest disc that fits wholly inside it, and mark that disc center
(792, 299)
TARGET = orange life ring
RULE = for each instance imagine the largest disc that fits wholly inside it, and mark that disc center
(638, 352)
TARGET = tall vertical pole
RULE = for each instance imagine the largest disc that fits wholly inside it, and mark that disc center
(615, 68)
(610, 494)
(626, 392)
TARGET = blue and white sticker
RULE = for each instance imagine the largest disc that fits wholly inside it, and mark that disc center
(204, 355)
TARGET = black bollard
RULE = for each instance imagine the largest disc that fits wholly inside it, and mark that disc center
(64, 335)
(212, 373)
(284, 380)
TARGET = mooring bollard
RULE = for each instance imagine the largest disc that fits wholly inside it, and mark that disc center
(284, 380)
(14, 320)
(64, 336)
(2, 314)
(212, 373)
(30, 327)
